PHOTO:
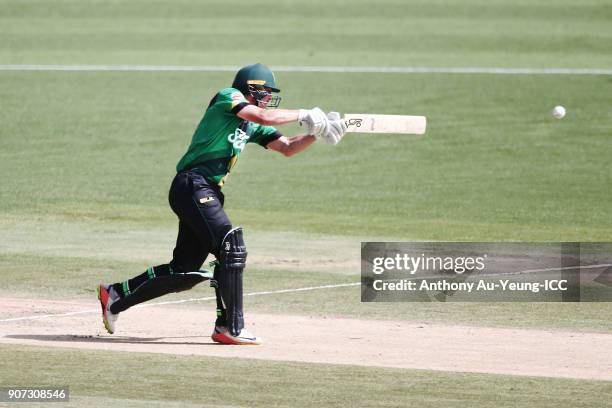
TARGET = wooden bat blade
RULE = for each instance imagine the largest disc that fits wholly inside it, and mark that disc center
(399, 124)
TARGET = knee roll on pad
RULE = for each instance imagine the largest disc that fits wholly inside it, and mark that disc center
(233, 256)
(233, 250)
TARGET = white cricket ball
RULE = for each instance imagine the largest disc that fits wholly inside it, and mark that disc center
(558, 112)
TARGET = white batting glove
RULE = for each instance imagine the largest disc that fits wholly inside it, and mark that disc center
(336, 129)
(316, 122)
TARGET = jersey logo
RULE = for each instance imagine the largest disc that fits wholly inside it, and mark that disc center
(238, 139)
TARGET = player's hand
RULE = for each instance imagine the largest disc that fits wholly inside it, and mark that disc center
(316, 122)
(336, 130)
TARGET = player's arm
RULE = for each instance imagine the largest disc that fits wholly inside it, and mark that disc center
(268, 117)
(290, 146)
(330, 129)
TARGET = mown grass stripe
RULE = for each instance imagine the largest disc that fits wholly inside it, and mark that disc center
(316, 69)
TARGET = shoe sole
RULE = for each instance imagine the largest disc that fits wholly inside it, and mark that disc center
(104, 320)
(232, 341)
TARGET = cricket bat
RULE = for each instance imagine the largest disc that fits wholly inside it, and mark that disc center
(399, 124)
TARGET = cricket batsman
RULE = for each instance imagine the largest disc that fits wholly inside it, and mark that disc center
(235, 116)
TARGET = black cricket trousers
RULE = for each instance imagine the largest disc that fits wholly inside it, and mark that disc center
(198, 203)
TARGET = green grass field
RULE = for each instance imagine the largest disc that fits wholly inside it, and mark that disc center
(87, 159)
(210, 382)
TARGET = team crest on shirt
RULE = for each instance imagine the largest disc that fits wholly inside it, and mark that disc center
(237, 96)
(238, 139)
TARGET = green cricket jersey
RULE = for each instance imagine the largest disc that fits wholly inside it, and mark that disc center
(221, 136)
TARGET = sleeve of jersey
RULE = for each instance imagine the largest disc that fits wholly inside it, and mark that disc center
(231, 100)
(264, 135)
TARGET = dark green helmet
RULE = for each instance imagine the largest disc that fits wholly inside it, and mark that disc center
(258, 81)
(254, 74)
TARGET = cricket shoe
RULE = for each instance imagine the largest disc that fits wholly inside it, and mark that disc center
(223, 336)
(107, 296)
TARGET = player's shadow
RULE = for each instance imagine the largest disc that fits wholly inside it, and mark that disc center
(110, 340)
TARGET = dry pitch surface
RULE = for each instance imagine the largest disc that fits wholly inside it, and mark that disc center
(181, 331)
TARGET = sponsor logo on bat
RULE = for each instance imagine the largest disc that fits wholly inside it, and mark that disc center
(355, 121)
